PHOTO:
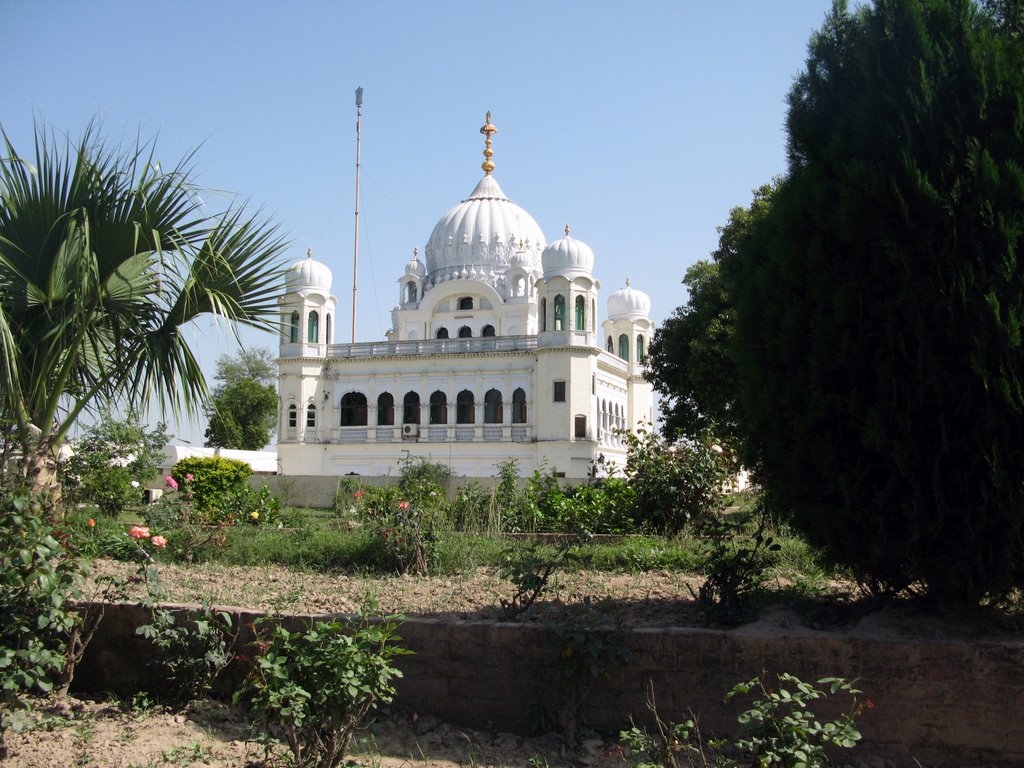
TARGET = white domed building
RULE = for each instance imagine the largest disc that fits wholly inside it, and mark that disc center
(494, 353)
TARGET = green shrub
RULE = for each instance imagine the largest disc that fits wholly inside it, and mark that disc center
(252, 506)
(735, 565)
(212, 481)
(38, 580)
(316, 687)
(675, 486)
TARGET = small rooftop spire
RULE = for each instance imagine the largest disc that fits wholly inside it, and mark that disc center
(488, 130)
(566, 230)
(309, 252)
(627, 282)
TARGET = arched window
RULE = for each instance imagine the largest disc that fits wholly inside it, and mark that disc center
(293, 416)
(310, 416)
(493, 411)
(488, 330)
(641, 355)
(442, 333)
(327, 329)
(465, 409)
(353, 409)
(559, 312)
(313, 328)
(543, 315)
(410, 292)
(385, 409)
(411, 408)
(466, 302)
(624, 347)
(465, 332)
(581, 314)
(593, 312)
(293, 328)
(610, 346)
(519, 406)
(439, 408)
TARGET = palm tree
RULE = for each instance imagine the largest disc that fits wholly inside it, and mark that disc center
(104, 256)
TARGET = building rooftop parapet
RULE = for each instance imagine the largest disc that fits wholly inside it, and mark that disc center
(413, 347)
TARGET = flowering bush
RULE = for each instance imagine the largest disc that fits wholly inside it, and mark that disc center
(188, 534)
(142, 536)
(212, 481)
(403, 531)
(252, 507)
(109, 461)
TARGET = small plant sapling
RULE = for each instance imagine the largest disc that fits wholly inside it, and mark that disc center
(314, 688)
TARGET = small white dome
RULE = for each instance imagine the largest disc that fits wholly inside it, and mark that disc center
(628, 304)
(415, 266)
(568, 257)
(308, 274)
(521, 258)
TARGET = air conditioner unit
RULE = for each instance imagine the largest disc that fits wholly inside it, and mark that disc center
(410, 430)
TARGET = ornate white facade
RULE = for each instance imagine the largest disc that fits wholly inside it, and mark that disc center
(494, 353)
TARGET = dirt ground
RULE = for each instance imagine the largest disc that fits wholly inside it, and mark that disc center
(89, 733)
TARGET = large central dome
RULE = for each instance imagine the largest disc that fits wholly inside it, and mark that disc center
(484, 231)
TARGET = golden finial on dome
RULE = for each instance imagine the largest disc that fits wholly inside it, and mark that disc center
(566, 230)
(627, 282)
(309, 252)
(488, 130)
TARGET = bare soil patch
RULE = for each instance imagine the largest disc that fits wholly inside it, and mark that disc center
(655, 599)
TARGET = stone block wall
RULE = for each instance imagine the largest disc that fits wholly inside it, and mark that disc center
(938, 702)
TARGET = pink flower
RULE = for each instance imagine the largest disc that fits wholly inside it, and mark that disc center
(403, 505)
(159, 541)
(189, 477)
(171, 483)
(139, 532)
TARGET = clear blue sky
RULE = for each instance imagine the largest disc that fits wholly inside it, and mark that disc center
(640, 124)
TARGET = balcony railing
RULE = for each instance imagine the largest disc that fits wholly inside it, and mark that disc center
(432, 433)
(433, 347)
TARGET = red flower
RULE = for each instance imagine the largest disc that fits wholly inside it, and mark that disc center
(92, 523)
(359, 494)
(403, 505)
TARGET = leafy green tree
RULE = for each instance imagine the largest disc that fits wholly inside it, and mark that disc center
(256, 364)
(242, 415)
(880, 302)
(690, 360)
(104, 256)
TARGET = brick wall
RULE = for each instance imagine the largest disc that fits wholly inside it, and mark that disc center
(949, 702)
